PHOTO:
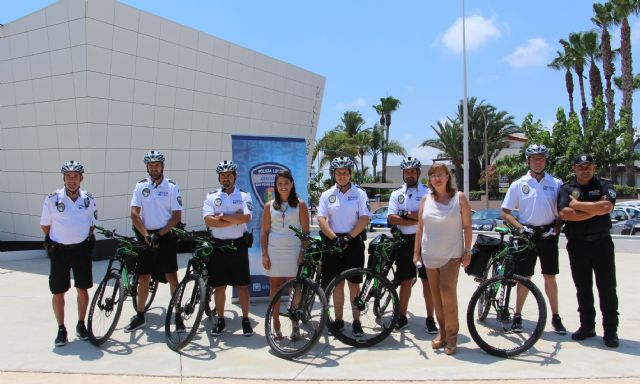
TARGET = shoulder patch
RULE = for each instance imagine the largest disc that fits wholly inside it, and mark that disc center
(171, 181)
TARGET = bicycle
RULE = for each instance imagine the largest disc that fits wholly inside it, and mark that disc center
(491, 307)
(193, 294)
(370, 305)
(118, 283)
(305, 309)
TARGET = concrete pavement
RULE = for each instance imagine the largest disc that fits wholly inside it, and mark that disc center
(28, 355)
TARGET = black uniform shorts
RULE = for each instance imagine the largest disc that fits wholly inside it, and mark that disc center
(546, 250)
(230, 267)
(335, 263)
(405, 269)
(64, 259)
(161, 260)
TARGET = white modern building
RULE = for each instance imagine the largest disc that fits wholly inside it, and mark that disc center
(102, 83)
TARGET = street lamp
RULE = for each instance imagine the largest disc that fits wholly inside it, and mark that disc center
(486, 159)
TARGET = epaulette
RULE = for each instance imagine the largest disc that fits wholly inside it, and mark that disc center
(242, 190)
(211, 192)
(399, 188)
(52, 194)
(90, 195)
(143, 180)
(171, 181)
(605, 179)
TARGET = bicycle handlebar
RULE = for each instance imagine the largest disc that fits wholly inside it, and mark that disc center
(307, 237)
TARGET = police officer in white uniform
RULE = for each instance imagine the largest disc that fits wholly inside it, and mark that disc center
(535, 195)
(68, 218)
(343, 217)
(404, 205)
(156, 207)
(227, 211)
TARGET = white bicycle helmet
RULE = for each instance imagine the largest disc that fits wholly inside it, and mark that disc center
(341, 162)
(153, 156)
(536, 149)
(410, 162)
(71, 166)
(226, 166)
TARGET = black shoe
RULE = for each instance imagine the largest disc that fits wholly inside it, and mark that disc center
(556, 323)
(611, 339)
(583, 332)
(246, 327)
(219, 327)
(137, 322)
(402, 322)
(337, 325)
(357, 328)
(179, 324)
(61, 339)
(81, 332)
(430, 326)
(516, 325)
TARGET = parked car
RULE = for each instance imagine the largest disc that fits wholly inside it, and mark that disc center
(623, 223)
(632, 211)
(379, 218)
(488, 219)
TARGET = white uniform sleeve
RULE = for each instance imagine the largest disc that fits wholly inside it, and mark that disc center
(176, 199)
(363, 209)
(393, 203)
(136, 199)
(45, 216)
(247, 204)
(207, 207)
(323, 206)
(511, 199)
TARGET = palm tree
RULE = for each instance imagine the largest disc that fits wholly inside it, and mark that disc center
(352, 121)
(603, 19)
(377, 142)
(622, 9)
(574, 49)
(334, 142)
(594, 54)
(499, 126)
(387, 106)
(562, 61)
(361, 143)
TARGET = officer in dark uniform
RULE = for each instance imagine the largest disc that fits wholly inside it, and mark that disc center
(584, 204)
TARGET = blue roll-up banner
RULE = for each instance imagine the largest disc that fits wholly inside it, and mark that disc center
(259, 158)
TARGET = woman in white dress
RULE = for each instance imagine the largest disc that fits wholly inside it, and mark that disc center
(281, 249)
(443, 245)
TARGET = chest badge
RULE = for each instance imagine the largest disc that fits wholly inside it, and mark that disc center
(525, 189)
(217, 202)
(60, 207)
(401, 199)
(332, 199)
(146, 192)
(575, 193)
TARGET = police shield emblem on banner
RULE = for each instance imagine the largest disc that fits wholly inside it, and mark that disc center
(262, 177)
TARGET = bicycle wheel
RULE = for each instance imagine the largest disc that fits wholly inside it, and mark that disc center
(294, 325)
(133, 282)
(184, 312)
(493, 334)
(484, 301)
(376, 320)
(106, 307)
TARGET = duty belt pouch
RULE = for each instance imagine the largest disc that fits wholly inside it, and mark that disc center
(248, 239)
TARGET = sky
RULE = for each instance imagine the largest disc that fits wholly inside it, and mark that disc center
(411, 50)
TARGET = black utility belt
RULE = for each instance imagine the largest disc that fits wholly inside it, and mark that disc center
(408, 237)
(541, 228)
(361, 236)
(589, 236)
(61, 246)
(233, 242)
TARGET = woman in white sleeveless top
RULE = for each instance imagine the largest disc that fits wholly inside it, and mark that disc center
(443, 245)
(281, 249)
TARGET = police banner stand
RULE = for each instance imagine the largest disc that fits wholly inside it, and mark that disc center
(259, 158)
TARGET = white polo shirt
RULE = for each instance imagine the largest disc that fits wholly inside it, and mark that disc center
(70, 221)
(407, 199)
(157, 203)
(343, 210)
(218, 202)
(536, 201)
